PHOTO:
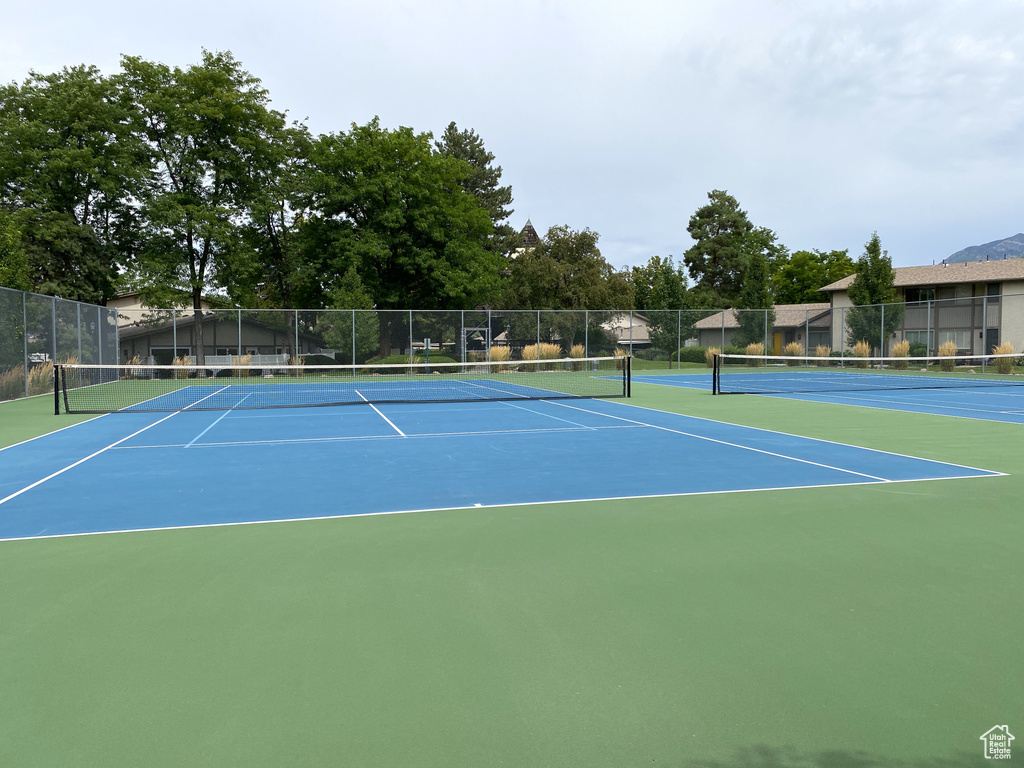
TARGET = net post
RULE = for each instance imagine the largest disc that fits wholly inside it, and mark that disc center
(715, 363)
(56, 390)
(629, 375)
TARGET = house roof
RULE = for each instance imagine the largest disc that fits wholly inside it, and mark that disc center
(786, 316)
(946, 274)
(186, 321)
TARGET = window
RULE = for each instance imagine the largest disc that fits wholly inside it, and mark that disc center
(919, 294)
(992, 291)
(962, 339)
(922, 338)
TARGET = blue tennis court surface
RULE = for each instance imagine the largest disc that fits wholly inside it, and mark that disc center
(134, 471)
(988, 403)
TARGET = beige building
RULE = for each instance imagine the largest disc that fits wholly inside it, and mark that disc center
(805, 324)
(977, 305)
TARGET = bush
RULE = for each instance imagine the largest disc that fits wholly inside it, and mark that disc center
(822, 350)
(688, 355)
(323, 360)
(709, 356)
(900, 349)
(862, 349)
(946, 352)
(577, 351)
(918, 349)
(793, 349)
(755, 348)
(1004, 365)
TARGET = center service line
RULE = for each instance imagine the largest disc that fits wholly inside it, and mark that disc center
(389, 421)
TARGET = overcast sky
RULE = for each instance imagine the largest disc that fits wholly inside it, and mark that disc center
(826, 120)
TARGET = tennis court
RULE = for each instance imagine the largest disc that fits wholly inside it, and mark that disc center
(670, 579)
(961, 396)
(403, 458)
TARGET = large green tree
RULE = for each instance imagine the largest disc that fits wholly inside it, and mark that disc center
(483, 182)
(564, 271)
(873, 287)
(756, 306)
(71, 170)
(210, 132)
(384, 202)
(660, 291)
(798, 278)
(722, 234)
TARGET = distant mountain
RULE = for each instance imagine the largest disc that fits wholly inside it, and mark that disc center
(1008, 248)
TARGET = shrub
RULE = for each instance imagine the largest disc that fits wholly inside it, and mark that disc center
(862, 349)
(794, 349)
(620, 358)
(545, 351)
(181, 364)
(755, 348)
(689, 355)
(917, 349)
(577, 351)
(243, 373)
(1004, 365)
(947, 351)
(709, 356)
(822, 350)
(901, 349)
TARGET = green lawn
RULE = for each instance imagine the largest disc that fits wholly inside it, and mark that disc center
(852, 626)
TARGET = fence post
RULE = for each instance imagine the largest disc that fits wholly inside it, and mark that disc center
(679, 340)
(174, 331)
(631, 333)
(586, 333)
(842, 333)
(295, 356)
(538, 336)
(78, 311)
(807, 333)
(928, 332)
(53, 327)
(723, 330)
(24, 336)
(239, 347)
(881, 342)
(489, 333)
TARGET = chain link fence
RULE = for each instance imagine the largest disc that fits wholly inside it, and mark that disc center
(37, 330)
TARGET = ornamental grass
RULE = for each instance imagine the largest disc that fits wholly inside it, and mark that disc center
(1004, 365)
(901, 350)
(947, 352)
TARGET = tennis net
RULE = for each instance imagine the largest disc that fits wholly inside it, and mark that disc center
(773, 374)
(111, 388)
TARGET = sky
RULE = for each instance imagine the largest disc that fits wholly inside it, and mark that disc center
(827, 120)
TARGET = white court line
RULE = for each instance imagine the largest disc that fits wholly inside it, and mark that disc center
(874, 404)
(349, 438)
(733, 445)
(389, 421)
(823, 440)
(541, 413)
(216, 422)
(82, 461)
(477, 507)
(69, 426)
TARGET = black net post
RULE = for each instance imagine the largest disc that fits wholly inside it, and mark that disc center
(56, 390)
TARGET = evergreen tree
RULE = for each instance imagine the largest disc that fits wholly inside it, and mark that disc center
(718, 258)
(483, 181)
(873, 286)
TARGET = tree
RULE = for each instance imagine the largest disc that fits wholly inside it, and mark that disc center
(798, 278)
(719, 256)
(14, 268)
(564, 271)
(337, 327)
(483, 183)
(873, 287)
(210, 133)
(756, 306)
(382, 201)
(660, 292)
(70, 173)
